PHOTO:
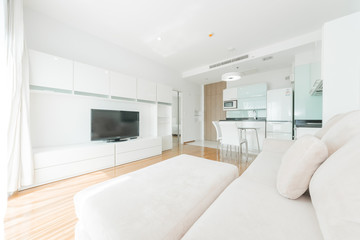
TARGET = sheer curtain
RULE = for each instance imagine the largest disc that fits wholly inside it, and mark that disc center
(20, 161)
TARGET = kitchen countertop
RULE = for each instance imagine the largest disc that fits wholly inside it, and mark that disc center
(246, 119)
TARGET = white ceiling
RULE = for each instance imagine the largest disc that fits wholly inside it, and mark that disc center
(184, 25)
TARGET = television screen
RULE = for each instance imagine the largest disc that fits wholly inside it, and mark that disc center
(109, 124)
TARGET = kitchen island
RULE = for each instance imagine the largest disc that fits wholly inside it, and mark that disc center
(251, 123)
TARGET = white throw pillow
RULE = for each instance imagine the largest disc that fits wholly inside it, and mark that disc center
(299, 164)
(335, 193)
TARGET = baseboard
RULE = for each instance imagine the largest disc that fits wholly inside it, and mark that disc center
(189, 141)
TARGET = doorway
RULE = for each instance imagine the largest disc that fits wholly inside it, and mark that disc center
(176, 117)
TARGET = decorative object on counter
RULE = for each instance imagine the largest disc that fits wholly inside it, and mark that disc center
(231, 76)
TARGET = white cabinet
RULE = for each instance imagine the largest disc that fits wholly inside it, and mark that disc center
(122, 85)
(301, 131)
(52, 164)
(230, 94)
(56, 163)
(164, 125)
(50, 71)
(137, 149)
(90, 79)
(163, 93)
(146, 90)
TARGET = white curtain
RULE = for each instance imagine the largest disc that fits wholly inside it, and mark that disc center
(5, 102)
(20, 160)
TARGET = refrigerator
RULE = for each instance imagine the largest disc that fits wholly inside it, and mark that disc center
(279, 114)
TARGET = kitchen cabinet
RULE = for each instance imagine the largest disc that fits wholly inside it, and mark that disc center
(307, 107)
(230, 94)
(122, 85)
(315, 72)
(301, 131)
(50, 71)
(91, 79)
(146, 90)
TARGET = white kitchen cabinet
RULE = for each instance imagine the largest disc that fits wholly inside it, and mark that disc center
(50, 71)
(163, 93)
(301, 131)
(146, 90)
(91, 79)
(230, 94)
(122, 85)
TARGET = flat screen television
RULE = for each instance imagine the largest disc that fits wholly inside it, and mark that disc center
(114, 125)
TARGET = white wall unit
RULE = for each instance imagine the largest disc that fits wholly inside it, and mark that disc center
(163, 93)
(165, 125)
(230, 94)
(146, 90)
(52, 164)
(91, 79)
(56, 163)
(340, 65)
(50, 71)
(122, 85)
(137, 149)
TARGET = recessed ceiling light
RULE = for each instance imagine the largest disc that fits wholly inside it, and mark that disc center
(231, 76)
(211, 34)
(159, 38)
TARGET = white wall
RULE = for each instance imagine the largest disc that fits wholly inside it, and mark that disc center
(341, 65)
(275, 79)
(51, 36)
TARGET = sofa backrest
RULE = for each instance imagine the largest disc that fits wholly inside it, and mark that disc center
(334, 190)
(342, 130)
(319, 134)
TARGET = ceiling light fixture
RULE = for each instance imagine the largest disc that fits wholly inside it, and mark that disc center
(231, 76)
(159, 38)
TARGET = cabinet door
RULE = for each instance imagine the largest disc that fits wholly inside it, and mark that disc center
(50, 71)
(163, 93)
(122, 85)
(230, 94)
(146, 90)
(90, 79)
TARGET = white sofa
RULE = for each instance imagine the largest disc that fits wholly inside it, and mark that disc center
(251, 208)
(189, 203)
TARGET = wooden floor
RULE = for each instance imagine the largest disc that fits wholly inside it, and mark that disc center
(47, 212)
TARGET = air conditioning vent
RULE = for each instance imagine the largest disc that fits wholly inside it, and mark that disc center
(228, 61)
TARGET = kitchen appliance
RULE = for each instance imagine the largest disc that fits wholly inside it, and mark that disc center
(279, 119)
(230, 104)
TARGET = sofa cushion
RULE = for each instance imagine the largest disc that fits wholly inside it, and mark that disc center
(335, 193)
(319, 134)
(342, 131)
(161, 201)
(299, 164)
(252, 209)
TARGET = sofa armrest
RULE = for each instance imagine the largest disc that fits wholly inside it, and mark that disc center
(276, 145)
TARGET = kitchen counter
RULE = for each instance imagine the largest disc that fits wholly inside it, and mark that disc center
(308, 123)
(246, 119)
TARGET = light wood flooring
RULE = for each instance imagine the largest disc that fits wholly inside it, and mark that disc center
(47, 212)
